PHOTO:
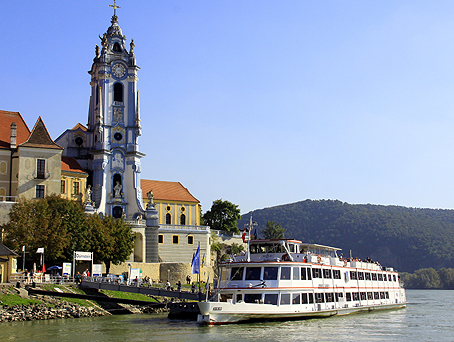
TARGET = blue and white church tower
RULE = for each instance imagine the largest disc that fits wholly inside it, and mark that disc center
(114, 127)
(108, 147)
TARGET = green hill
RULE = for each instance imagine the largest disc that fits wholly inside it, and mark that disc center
(404, 238)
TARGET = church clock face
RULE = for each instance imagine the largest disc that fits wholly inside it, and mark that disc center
(118, 70)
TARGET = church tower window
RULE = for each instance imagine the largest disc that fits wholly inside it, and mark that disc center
(118, 92)
(117, 47)
(117, 212)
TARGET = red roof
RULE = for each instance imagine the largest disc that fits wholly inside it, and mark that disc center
(71, 165)
(40, 137)
(6, 119)
(167, 191)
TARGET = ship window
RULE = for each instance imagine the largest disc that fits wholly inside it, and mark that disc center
(252, 297)
(353, 275)
(374, 276)
(384, 277)
(389, 277)
(316, 273)
(303, 273)
(369, 296)
(376, 295)
(239, 297)
(329, 297)
(355, 295)
(326, 273)
(367, 276)
(363, 295)
(394, 277)
(339, 295)
(336, 274)
(348, 297)
(296, 298)
(311, 298)
(304, 298)
(285, 299)
(253, 273)
(360, 275)
(271, 298)
(319, 298)
(296, 273)
(285, 273)
(387, 295)
(382, 295)
(270, 273)
(380, 277)
(237, 273)
(224, 274)
(224, 297)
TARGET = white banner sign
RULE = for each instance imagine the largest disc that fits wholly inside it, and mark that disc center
(40, 250)
(83, 255)
(97, 270)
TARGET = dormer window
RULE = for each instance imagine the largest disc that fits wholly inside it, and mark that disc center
(117, 47)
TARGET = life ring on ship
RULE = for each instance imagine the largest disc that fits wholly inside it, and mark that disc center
(285, 257)
(319, 259)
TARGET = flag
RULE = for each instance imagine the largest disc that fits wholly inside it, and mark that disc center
(244, 236)
(203, 260)
(195, 265)
(255, 234)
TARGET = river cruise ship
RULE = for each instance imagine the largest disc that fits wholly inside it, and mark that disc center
(288, 279)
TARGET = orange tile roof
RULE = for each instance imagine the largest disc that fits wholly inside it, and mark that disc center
(167, 191)
(71, 165)
(40, 137)
(79, 125)
(6, 119)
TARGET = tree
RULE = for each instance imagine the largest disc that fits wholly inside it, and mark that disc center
(223, 215)
(273, 231)
(112, 239)
(34, 224)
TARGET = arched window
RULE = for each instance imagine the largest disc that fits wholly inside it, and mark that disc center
(168, 218)
(117, 47)
(118, 92)
(183, 219)
(117, 212)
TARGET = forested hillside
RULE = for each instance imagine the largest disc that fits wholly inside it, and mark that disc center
(404, 238)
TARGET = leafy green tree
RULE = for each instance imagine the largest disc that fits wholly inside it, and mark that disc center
(223, 215)
(273, 231)
(447, 277)
(235, 248)
(34, 224)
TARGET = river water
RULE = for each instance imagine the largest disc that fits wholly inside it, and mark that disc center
(429, 316)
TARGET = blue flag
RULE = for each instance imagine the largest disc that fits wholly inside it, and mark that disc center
(195, 266)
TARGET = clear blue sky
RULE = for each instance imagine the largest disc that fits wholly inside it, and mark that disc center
(259, 102)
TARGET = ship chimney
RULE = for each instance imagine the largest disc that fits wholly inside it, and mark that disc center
(13, 135)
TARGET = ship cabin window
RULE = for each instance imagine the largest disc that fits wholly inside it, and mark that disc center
(387, 295)
(348, 297)
(360, 275)
(329, 297)
(394, 277)
(237, 273)
(271, 298)
(319, 298)
(270, 273)
(336, 274)
(376, 295)
(239, 297)
(304, 298)
(367, 275)
(353, 275)
(296, 298)
(292, 248)
(339, 295)
(285, 273)
(384, 277)
(296, 273)
(285, 299)
(225, 297)
(316, 273)
(355, 295)
(369, 296)
(224, 274)
(389, 277)
(303, 273)
(374, 276)
(311, 298)
(252, 297)
(363, 295)
(327, 273)
(253, 273)
(380, 277)
(382, 295)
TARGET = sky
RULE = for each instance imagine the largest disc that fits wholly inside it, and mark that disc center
(259, 102)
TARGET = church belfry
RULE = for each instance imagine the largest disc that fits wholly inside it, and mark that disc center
(114, 126)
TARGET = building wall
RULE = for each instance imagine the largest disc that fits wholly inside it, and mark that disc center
(175, 209)
(5, 166)
(69, 179)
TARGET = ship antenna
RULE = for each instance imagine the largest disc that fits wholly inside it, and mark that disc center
(248, 227)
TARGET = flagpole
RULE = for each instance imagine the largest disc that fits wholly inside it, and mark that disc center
(198, 275)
